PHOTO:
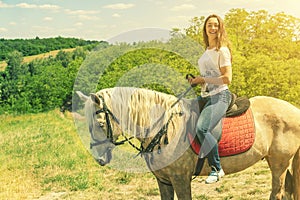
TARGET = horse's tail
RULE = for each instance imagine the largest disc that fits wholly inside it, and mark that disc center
(292, 179)
(289, 190)
(296, 175)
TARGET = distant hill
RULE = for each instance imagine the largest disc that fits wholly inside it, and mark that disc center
(29, 47)
(28, 59)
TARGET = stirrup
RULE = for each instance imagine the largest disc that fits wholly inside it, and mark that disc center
(220, 173)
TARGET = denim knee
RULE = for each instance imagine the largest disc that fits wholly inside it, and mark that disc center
(200, 135)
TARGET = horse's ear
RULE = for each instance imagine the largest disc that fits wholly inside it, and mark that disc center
(95, 98)
(82, 96)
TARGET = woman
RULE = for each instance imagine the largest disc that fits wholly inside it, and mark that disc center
(216, 75)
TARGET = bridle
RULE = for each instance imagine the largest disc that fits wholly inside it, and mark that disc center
(156, 140)
(109, 132)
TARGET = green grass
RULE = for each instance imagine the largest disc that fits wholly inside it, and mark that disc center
(42, 154)
(42, 157)
(46, 150)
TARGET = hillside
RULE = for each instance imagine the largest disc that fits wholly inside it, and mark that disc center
(28, 59)
(37, 48)
(42, 157)
(29, 47)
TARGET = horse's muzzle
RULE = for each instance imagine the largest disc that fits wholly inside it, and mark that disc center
(106, 158)
(101, 162)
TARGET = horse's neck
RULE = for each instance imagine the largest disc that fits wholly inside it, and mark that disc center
(143, 113)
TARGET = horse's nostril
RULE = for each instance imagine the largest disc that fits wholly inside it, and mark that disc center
(100, 162)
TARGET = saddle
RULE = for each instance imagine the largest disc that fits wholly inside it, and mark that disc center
(238, 129)
(237, 106)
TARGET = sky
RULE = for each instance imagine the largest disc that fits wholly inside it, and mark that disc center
(105, 19)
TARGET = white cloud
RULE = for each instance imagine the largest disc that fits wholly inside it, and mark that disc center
(12, 23)
(49, 7)
(4, 5)
(30, 6)
(47, 19)
(26, 5)
(78, 24)
(3, 29)
(81, 12)
(116, 15)
(119, 6)
(88, 17)
(183, 7)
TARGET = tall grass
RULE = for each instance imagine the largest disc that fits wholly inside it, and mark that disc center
(42, 157)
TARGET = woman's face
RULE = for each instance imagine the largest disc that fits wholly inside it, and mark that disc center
(212, 28)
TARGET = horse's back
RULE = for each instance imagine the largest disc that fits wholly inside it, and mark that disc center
(276, 108)
(276, 120)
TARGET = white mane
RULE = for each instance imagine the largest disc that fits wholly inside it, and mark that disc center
(139, 109)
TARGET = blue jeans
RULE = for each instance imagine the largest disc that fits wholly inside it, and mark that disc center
(209, 126)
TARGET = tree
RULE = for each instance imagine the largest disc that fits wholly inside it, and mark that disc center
(64, 57)
(236, 26)
(79, 52)
(195, 29)
(14, 65)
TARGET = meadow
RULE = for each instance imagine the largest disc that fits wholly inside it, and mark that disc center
(42, 157)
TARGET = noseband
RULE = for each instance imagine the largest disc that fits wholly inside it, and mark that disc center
(109, 131)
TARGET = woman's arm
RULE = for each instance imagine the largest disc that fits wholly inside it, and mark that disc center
(225, 78)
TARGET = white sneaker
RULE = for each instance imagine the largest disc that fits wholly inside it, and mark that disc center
(214, 176)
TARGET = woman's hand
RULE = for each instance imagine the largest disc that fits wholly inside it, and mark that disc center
(196, 81)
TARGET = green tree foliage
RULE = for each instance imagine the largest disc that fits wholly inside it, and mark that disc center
(195, 29)
(14, 65)
(40, 85)
(264, 51)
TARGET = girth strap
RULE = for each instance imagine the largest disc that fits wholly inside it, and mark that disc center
(199, 166)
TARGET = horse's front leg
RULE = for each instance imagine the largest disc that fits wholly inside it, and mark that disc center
(182, 186)
(166, 190)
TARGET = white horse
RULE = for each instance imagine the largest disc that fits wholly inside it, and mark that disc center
(130, 110)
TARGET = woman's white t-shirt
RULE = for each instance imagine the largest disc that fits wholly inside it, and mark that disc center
(209, 64)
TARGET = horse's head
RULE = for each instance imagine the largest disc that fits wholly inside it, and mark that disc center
(100, 127)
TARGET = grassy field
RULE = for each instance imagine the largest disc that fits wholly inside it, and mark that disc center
(28, 59)
(42, 157)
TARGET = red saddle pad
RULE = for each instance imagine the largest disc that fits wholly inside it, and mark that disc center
(238, 135)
